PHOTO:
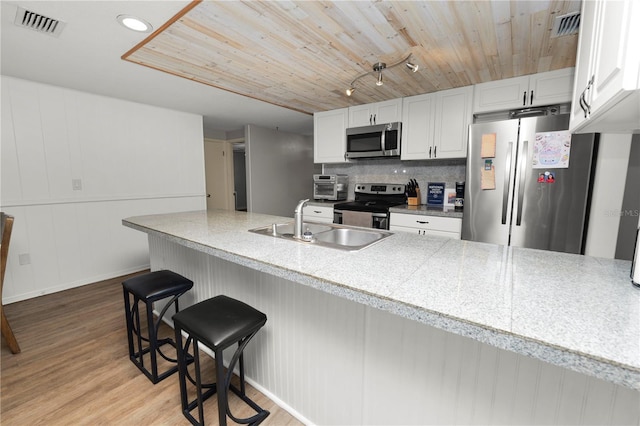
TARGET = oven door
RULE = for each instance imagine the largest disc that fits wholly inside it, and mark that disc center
(325, 191)
(380, 220)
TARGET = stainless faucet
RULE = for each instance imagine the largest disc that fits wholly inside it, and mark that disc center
(297, 215)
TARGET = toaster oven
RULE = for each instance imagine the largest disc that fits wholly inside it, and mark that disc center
(330, 187)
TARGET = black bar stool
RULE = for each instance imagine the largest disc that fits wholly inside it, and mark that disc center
(217, 323)
(150, 288)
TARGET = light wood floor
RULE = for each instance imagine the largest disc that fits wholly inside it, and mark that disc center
(74, 367)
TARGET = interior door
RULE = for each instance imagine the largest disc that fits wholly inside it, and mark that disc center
(218, 157)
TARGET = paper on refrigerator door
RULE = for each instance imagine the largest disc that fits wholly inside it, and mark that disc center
(488, 148)
(488, 175)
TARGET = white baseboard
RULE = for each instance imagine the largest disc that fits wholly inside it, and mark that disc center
(73, 284)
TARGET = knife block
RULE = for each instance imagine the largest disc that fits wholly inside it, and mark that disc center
(414, 201)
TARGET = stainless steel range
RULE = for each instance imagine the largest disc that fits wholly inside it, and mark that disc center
(371, 205)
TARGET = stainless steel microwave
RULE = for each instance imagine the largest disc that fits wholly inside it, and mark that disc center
(380, 140)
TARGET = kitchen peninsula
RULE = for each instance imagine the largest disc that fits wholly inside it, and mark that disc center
(418, 329)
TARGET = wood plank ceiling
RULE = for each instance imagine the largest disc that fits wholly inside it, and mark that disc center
(303, 55)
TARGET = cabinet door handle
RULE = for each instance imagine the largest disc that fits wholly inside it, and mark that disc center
(589, 86)
(524, 98)
(429, 152)
(583, 103)
(370, 119)
(435, 151)
(374, 118)
(531, 101)
(422, 222)
(317, 211)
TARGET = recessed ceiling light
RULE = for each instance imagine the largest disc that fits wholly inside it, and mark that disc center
(135, 24)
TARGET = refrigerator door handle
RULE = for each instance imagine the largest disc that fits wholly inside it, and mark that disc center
(522, 172)
(505, 188)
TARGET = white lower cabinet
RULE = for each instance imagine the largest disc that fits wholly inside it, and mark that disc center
(426, 225)
(322, 214)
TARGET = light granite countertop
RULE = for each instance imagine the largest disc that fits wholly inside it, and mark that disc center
(422, 209)
(577, 312)
(426, 210)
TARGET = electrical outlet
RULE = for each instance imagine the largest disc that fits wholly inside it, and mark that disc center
(24, 259)
(76, 184)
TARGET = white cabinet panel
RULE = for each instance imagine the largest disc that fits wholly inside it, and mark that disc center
(552, 87)
(607, 92)
(435, 125)
(547, 88)
(500, 94)
(329, 136)
(453, 117)
(376, 113)
(584, 55)
(426, 225)
(318, 213)
(417, 126)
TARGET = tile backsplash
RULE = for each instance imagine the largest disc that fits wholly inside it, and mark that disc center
(396, 171)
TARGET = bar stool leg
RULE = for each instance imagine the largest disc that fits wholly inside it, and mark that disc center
(127, 310)
(182, 369)
(222, 391)
(153, 342)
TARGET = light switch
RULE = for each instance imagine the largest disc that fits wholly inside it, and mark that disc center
(76, 184)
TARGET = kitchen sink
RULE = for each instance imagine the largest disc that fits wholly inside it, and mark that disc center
(349, 237)
(327, 235)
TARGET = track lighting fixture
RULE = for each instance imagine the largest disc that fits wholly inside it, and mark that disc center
(377, 68)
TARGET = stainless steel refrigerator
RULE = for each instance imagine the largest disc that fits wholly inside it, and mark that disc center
(528, 183)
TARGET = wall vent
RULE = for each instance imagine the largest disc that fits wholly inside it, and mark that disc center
(566, 25)
(34, 21)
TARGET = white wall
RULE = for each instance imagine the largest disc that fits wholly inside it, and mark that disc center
(279, 170)
(608, 192)
(125, 158)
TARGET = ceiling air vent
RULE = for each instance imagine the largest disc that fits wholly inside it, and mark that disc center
(566, 25)
(34, 21)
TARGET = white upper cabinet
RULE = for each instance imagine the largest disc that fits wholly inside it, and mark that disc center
(606, 95)
(435, 125)
(418, 118)
(375, 113)
(546, 88)
(330, 136)
(453, 116)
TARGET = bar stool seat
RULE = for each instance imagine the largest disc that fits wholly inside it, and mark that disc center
(148, 289)
(217, 323)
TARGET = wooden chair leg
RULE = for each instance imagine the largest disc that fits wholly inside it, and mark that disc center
(8, 335)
